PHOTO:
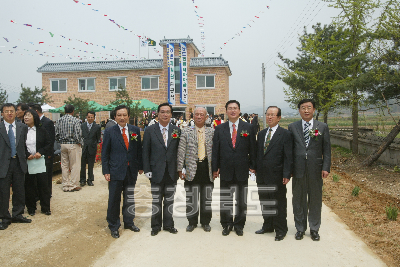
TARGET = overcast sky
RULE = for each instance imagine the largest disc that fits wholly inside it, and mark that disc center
(268, 30)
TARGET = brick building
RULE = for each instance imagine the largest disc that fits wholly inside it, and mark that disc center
(206, 81)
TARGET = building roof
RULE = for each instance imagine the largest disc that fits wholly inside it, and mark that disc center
(101, 65)
(206, 62)
(180, 40)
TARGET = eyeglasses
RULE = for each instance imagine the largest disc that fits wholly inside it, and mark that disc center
(233, 108)
(9, 111)
(270, 115)
(306, 108)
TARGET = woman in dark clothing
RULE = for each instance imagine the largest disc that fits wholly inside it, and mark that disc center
(39, 144)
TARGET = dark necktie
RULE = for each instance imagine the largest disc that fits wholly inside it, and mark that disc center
(12, 141)
(267, 140)
(307, 133)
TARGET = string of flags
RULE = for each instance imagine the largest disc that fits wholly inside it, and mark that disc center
(244, 28)
(201, 26)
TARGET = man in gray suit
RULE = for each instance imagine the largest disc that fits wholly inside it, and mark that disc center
(312, 162)
(112, 121)
(160, 149)
(194, 154)
(13, 167)
(91, 134)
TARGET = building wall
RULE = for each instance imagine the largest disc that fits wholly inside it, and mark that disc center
(218, 96)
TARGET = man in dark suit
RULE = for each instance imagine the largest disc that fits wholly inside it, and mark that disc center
(274, 168)
(13, 167)
(91, 134)
(121, 160)
(49, 127)
(160, 149)
(312, 162)
(233, 156)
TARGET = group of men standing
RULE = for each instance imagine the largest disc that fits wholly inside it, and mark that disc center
(201, 154)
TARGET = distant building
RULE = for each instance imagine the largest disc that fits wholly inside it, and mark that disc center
(205, 83)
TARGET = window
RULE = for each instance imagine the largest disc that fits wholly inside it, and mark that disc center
(59, 85)
(86, 84)
(205, 82)
(117, 83)
(150, 83)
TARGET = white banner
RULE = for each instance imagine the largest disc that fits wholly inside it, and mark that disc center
(171, 74)
(183, 69)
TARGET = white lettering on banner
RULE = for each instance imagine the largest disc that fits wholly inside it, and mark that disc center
(171, 74)
(183, 68)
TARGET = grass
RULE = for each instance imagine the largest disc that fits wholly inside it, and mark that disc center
(344, 152)
(391, 212)
(336, 178)
(356, 191)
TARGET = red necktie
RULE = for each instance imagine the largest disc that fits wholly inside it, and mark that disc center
(125, 138)
(234, 133)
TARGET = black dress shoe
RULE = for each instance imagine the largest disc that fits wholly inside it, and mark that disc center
(279, 237)
(299, 235)
(132, 228)
(206, 227)
(239, 231)
(31, 212)
(21, 219)
(263, 231)
(90, 183)
(190, 227)
(115, 234)
(172, 230)
(46, 212)
(226, 230)
(83, 184)
(3, 226)
(154, 232)
(315, 236)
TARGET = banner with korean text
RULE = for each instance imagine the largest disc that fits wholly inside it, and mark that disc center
(171, 74)
(183, 70)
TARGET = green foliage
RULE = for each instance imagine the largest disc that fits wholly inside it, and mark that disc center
(3, 96)
(336, 178)
(122, 98)
(392, 212)
(356, 191)
(396, 169)
(37, 96)
(81, 106)
(344, 152)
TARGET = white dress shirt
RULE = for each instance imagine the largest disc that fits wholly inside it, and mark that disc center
(31, 140)
(311, 122)
(126, 129)
(272, 132)
(13, 127)
(166, 131)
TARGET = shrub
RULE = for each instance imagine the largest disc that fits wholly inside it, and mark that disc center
(336, 178)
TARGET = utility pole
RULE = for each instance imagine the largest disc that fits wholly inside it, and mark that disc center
(263, 85)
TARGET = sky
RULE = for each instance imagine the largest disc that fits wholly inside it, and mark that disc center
(246, 34)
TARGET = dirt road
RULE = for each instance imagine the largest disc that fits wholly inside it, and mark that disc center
(76, 234)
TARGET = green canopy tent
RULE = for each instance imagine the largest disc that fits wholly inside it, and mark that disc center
(57, 110)
(96, 107)
(143, 103)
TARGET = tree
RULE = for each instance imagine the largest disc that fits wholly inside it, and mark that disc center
(3, 96)
(81, 106)
(122, 98)
(37, 96)
(313, 76)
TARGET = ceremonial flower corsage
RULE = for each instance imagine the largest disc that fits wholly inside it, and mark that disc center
(175, 134)
(244, 134)
(133, 136)
(314, 133)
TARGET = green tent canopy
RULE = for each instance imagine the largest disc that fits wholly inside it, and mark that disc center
(57, 110)
(144, 103)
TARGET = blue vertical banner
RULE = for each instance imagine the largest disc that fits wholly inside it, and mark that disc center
(183, 71)
(171, 74)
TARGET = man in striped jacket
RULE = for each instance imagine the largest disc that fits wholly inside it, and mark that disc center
(194, 155)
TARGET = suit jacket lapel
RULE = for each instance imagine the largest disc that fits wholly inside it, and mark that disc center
(119, 136)
(18, 129)
(3, 132)
(300, 131)
(169, 135)
(239, 130)
(274, 139)
(227, 133)
(315, 126)
(261, 142)
(159, 135)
